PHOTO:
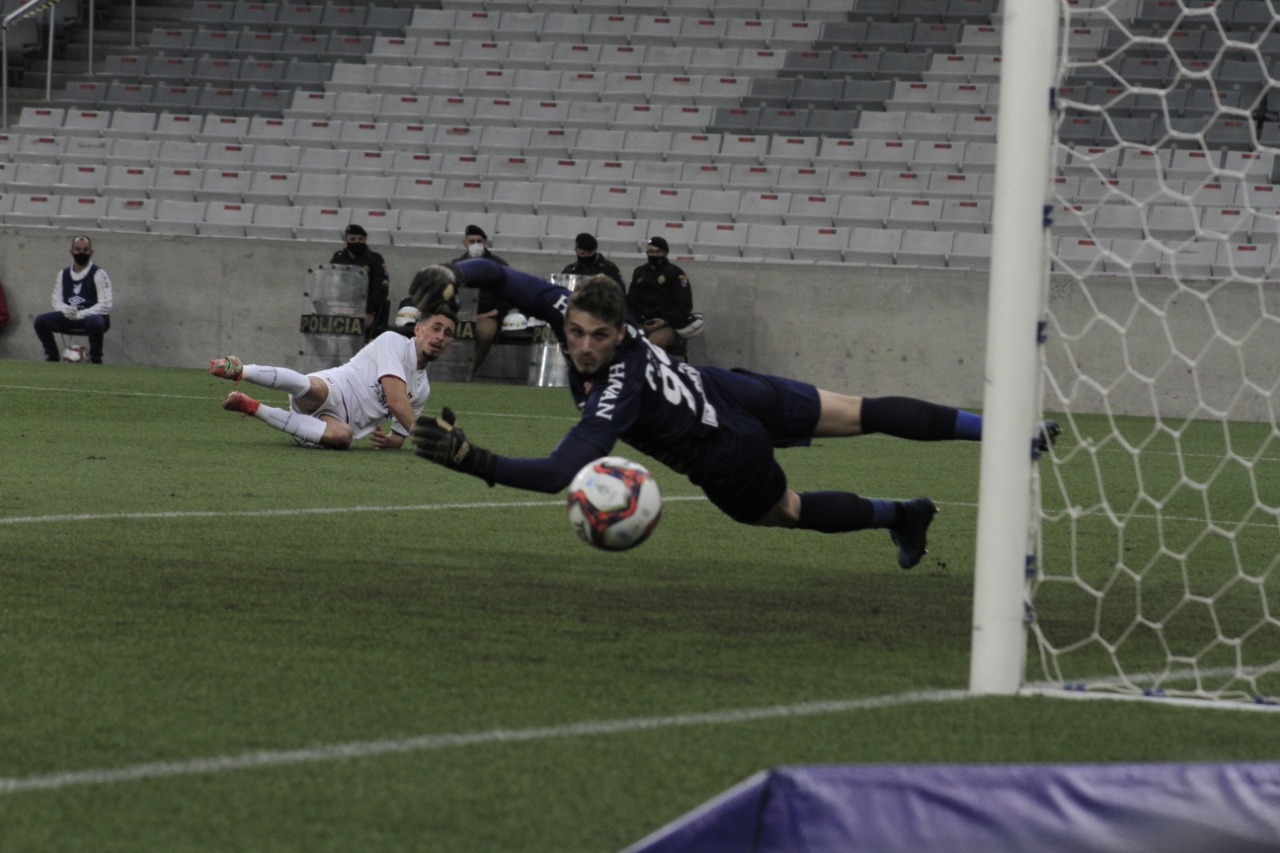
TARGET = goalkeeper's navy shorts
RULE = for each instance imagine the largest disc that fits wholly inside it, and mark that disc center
(735, 466)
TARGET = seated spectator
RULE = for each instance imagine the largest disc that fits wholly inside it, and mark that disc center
(489, 308)
(82, 301)
(660, 299)
(590, 261)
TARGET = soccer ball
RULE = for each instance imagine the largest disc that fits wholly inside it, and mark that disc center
(75, 354)
(614, 503)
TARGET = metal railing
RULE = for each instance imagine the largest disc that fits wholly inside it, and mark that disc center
(33, 9)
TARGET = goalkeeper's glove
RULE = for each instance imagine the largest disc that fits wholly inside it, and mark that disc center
(439, 441)
(436, 286)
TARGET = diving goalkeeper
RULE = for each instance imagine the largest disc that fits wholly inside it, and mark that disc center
(718, 427)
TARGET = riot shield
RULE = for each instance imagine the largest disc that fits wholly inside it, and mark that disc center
(547, 366)
(333, 330)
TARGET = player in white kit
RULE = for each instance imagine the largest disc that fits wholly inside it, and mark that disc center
(331, 408)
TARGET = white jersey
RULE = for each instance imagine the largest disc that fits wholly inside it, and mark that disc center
(355, 393)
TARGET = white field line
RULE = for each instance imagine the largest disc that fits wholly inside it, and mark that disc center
(217, 765)
(430, 743)
(268, 393)
(303, 511)
(339, 510)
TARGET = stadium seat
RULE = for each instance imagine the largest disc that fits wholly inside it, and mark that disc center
(128, 213)
(930, 249)
(177, 183)
(422, 228)
(615, 172)
(222, 185)
(914, 214)
(718, 239)
(821, 243)
(562, 229)
(804, 179)
(613, 201)
(659, 173)
(703, 175)
(564, 199)
(523, 232)
(319, 190)
(78, 211)
(863, 211)
(174, 216)
(875, 246)
(226, 219)
(812, 209)
(621, 235)
(971, 251)
(322, 223)
(663, 202)
(763, 206)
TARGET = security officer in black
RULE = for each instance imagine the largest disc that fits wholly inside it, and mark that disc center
(660, 298)
(377, 306)
(590, 261)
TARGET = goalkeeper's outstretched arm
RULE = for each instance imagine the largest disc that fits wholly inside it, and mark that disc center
(441, 441)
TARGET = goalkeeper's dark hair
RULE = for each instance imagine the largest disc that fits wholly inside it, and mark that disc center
(602, 298)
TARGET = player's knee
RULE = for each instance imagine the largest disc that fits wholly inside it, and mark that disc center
(337, 436)
(785, 513)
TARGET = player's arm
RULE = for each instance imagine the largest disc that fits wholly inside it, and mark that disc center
(439, 440)
(532, 295)
(401, 408)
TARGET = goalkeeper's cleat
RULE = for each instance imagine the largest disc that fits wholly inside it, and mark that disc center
(228, 367)
(910, 532)
(1048, 435)
(242, 403)
(693, 327)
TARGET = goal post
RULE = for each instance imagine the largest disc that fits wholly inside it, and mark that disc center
(1135, 297)
(1015, 306)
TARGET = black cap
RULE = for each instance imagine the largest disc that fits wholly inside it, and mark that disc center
(585, 242)
(659, 244)
(354, 230)
(476, 231)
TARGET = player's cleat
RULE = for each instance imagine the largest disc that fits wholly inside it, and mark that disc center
(242, 403)
(911, 530)
(1048, 435)
(228, 367)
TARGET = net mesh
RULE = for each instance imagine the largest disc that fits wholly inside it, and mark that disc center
(1160, 521)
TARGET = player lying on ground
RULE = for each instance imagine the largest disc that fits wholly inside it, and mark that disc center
(718, 427)
(332, 408)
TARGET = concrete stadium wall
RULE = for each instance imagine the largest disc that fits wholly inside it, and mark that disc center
(181, 301)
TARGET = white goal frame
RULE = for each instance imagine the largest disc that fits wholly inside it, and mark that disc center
(1016, 304)
(1017, 370)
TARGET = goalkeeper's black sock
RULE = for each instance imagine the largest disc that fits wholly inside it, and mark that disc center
(919, 420)
(841, 512)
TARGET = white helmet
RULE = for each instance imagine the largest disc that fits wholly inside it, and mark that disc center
(515, 321)
(407, 316)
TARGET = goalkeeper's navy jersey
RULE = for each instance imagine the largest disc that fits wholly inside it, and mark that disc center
(658, 407)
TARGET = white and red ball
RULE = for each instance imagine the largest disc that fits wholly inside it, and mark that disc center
(614, 503)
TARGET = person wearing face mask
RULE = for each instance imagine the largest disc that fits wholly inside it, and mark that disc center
(590, 261)
(660, 298)
(82, 300)
(356, 253)
(489, 308)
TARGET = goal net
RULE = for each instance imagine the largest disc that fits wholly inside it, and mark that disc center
(1153, 552)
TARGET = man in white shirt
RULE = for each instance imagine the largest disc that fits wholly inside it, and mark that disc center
(331, 408)
(82, 301)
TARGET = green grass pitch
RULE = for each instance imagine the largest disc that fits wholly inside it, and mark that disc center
(213, 640)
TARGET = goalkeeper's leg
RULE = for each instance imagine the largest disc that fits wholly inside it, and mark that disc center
(902, 417)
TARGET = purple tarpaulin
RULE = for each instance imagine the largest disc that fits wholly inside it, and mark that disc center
(1089, 808)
